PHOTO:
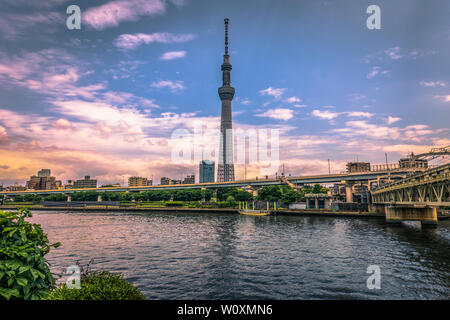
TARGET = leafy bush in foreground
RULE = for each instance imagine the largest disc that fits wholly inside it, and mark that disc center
(24, 272)
(98, 285)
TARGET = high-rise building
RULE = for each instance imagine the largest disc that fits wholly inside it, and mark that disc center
(206, 171)
(87, 182)
(44, 173)
(225, 167)
(189, 179)
(137, 182)
(43, 181)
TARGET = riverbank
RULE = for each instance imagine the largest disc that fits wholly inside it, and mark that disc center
(279, 212)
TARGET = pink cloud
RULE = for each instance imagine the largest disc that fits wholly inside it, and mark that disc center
(113, 13)
(132, 41)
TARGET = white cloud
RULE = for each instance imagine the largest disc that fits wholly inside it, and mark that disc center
(360, 114)
(244, 101)
(325, 114)
(292, 99)
(274, 92)
(278, 114)
(373, 72)
(132, 41)
(433, 84)
(391, 120)
(174, 86)
(173, 55)
(445, 98)
(393, 53)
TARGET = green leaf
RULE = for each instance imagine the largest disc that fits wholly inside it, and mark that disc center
(22, 281)
(23, 269)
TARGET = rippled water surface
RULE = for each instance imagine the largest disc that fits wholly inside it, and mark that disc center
(200, 256)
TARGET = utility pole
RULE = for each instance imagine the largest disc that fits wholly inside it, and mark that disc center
(329, 170)
(387, 168)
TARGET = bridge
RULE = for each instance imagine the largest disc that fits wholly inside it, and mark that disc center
(416, 197)
(348, 179)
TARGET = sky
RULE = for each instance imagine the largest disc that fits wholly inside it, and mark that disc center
(106, 100)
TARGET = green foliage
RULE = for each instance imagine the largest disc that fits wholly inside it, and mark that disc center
(290, 196)
(174, 204)
(28, 198)
(98, 285)
(176, 195)
(85, 196)
(56, 197)
(125, 196)
(237, 194)
(110, 196)
(316, 189)
(231, 201)
(223, 204)
(24, 272)
(19, 198)
(270, 193)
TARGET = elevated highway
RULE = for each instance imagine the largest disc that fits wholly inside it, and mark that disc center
(349, 178)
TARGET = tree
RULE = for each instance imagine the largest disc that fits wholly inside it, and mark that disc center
(270, 193)
(110, 196)
(290, 196)
(207, 194)
(125, 196)
(85, 196)
(231, 201)
(55, 197)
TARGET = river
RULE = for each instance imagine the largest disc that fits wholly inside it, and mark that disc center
(218, 256)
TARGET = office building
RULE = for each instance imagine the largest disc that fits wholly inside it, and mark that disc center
(87, 182)
(206, 171)
(189, 179)
(137, 182)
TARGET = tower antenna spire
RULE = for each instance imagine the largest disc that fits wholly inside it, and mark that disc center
(226, 36)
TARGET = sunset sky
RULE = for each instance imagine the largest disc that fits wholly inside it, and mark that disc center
(104, 100)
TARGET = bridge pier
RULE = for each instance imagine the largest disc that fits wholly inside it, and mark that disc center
(377, 208)
(348, 192)
(426, 215)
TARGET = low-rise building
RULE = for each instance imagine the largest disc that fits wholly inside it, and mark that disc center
(358, 167)
(16, 188)
(166, 181)
(137, 181)
(318, 200)
(406, 163)
(189, 179)
(87, 182)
